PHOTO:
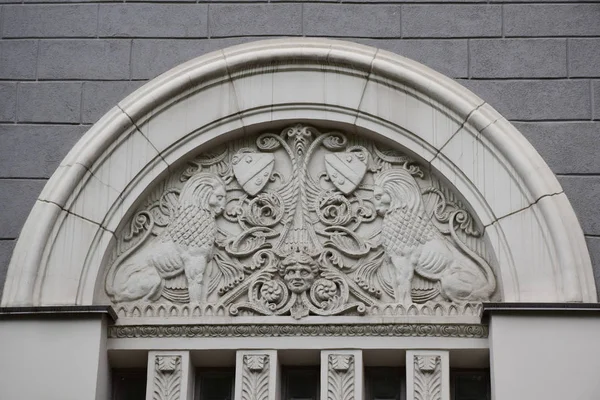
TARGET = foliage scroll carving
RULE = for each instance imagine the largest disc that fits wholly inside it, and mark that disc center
(300, 223)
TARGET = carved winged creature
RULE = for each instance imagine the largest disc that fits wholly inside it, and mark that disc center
(183, 248)
(412, 243)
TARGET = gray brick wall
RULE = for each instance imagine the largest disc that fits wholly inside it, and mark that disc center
(63, 63)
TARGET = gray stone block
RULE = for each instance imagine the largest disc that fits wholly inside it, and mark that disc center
(446, 56)
(99, 97)
(358, 20)
(255, 19)
(151, 57)
(583, 192)
(35, 151)
(535, 99)
(153, 20)
(50, 20)
(584, 57)
(49, 102)
(593, 244)
(16, 199)
(518, 58)
(455, 20)
(567, 147)
(8, 101)
(552, 19)
(596, 99)
(84, 59)
(6, 249)
(18, 59)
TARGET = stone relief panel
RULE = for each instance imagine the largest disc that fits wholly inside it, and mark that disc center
(255, 377)
(340, 377)
(427, 378)
(300, 223)
(167, 378)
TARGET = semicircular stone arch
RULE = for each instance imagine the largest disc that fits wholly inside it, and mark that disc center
(356, 167)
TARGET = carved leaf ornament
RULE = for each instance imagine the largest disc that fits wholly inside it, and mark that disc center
(428, 378)
(167, 378)
(255, 377)
(300, 223)
(340, 377)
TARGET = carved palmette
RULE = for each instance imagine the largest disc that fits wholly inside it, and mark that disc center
(301, 232)
(340, 377)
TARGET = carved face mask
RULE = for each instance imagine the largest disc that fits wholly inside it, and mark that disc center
(381, 200)
(217, 200)
(299, 277)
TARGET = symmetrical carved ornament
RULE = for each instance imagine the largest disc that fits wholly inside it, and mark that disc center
(340, 377)
(167, 378)
(291, 330)
(427, 377)
(255, 377)
(300, 223)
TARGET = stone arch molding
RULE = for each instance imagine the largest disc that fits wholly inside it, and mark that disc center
(532, 235)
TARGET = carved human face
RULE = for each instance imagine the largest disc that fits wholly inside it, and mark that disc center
(299, 277)
(382, 200)
(217, 200)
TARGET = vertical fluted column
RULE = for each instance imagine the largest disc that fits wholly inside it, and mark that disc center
(341, 375)
(170, 376)
(427, 375)
(257, 375)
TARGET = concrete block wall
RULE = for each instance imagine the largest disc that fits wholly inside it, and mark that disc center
(64, 63)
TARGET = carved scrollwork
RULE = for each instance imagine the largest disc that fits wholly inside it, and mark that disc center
(299, 223)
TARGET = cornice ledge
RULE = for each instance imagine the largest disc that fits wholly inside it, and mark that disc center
(58, 312)
(528, 309)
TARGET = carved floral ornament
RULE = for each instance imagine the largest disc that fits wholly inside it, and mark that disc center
(297, 223)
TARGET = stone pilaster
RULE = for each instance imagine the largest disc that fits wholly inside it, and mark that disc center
(257, 375)
(341, 375)
(170, 376)
(427, 375)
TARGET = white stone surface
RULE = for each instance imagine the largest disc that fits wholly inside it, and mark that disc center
(60, 359)
(427, 375)
(170, 376)
(544, 357)
(342, 375)
(195, 96)
(257, 375)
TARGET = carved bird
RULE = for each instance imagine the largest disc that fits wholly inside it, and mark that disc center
(412, 243)
(183, 248)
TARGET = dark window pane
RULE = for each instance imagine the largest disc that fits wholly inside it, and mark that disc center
(301, 383)
(215, 384)
(471, 384)
(129, 384)
(384, 383)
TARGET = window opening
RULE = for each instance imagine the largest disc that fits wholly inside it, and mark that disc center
(215, 383)
(300, 383)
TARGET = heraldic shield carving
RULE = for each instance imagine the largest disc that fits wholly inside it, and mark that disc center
(301, 223)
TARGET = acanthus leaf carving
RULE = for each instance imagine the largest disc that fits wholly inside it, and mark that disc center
(427, 377)
(340, 377)
(255, 377)
(301, 223)
(167, 378)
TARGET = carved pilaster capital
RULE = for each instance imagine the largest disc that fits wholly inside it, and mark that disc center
(341, 375)
(427, 375)
(256, 375)
(168, 375)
